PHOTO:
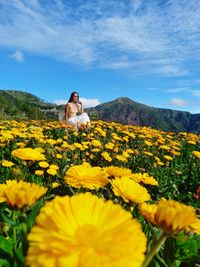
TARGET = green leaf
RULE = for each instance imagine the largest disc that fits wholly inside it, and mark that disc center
(34, 212)
(5, 245)
(8, 220)
(4, 263)
(19, 257)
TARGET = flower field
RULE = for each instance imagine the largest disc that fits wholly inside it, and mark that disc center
(110, 196)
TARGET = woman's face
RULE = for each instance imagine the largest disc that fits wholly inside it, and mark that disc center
(75, 97)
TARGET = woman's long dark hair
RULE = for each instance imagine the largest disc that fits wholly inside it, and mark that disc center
(72, 95)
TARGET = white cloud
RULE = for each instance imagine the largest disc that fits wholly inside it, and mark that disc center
(17, 56)
(178, 102)
(60, 102)
(95, 33)
(87, 102)
(195, 92)
(176, 90)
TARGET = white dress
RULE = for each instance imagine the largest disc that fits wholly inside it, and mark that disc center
(78, 121)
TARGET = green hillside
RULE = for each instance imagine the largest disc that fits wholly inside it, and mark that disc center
(22, 105)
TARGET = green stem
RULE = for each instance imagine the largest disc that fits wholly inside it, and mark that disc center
(155, 247)
(14, 228)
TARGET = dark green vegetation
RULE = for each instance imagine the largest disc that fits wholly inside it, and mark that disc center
(21, 105)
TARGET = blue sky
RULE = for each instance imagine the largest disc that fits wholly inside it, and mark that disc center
(147, 50)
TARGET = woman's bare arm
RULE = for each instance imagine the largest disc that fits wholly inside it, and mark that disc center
(67, 108)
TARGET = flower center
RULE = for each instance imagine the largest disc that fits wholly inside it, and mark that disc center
(88, 235)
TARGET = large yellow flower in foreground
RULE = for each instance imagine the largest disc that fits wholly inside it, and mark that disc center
(86, 176)
(114, 171)
(85, 231)
(20, 194)
(129, 190)
(28, 154)
(170, 215)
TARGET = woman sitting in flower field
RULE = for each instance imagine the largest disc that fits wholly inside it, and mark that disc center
(74, 113)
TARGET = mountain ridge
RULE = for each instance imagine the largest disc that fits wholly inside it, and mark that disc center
(127, 111)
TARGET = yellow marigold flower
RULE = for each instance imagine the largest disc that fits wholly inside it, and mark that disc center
(157, 159)
(109, 146)
(144, 178)
(43, 164)
(196, 154)
(129, 190)
(130, 151)
(79, 146)
(148, 211)
(121, 158)
(175, 153)
(20, 194)
(20, 144)
(16, 170)
(86, 176)
(7, 163)
(165, 147)
(118, 171)
(96, 143)
(196, 226)
(173, 216)
(51, 141)
(55, 184)
(125, 154)
(168, 157)
(106, 156)
(53, 166)
(192, 142)
(148, 143)
(160, 163)
(52, 171)
(95, 150)
(28, 154)
(116, 149)
(117, 138)
(84, 230)
(39, 172)
(126, 138)
(75, 133)
(58, 156)
(148, 153)
(39, 149)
